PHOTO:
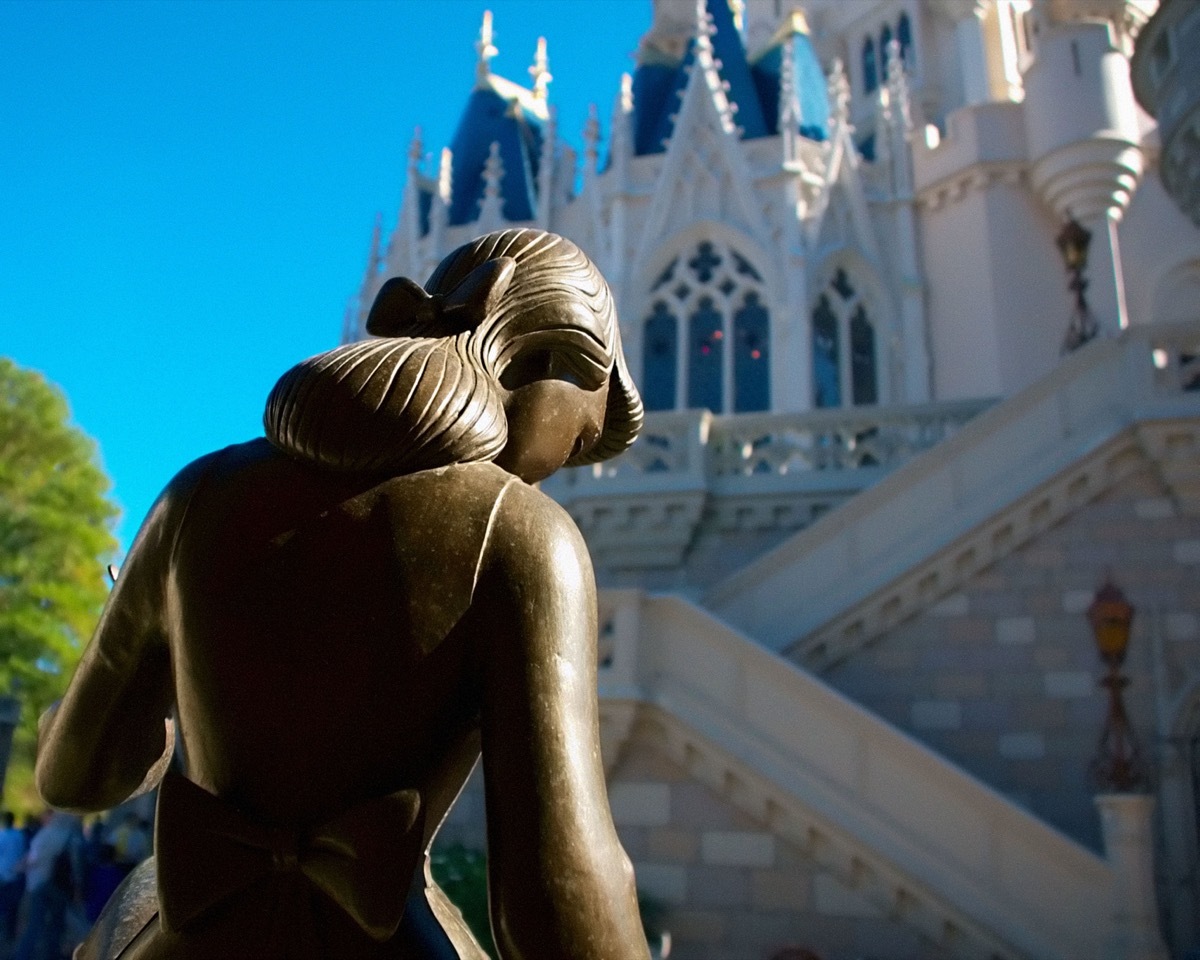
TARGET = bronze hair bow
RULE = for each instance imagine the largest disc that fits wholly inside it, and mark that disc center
(207, 852)
(403, 308)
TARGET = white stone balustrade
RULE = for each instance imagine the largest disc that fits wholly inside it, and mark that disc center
(766, 472)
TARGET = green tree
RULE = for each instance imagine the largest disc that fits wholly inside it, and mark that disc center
(55, 537)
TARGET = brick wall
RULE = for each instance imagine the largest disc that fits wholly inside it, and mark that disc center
(1001, 677)
(726, 888)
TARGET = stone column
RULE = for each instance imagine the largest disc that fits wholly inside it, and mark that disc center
(1129, 847)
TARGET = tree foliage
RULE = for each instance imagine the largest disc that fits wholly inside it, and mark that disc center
(55, 536)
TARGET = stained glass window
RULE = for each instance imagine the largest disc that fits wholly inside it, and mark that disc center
(864, 384)
(706, 329)
(827, 382)
(904, 35)
(844, 349)
(720, 293)
(751, 366)
(661, 357)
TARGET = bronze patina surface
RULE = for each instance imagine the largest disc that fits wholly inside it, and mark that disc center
(340, 617)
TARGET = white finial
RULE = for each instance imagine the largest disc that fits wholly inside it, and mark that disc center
(839, 92)
(626, 100)
(789, 106)
(376, 236)
(491, 211)
(789, 103)
(591, 139)
(445, 168)
(738, 9)
(493, 172)
(547, 170)
(897, 86)
(415, 151)
(540, 71)
(704, 28)
(485, 48)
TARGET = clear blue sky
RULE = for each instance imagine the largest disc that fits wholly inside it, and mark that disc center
(187, 188)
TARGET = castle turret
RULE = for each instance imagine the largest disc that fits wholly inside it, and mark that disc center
(1083, 138)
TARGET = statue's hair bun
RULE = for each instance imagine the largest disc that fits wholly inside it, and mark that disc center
(387, 406)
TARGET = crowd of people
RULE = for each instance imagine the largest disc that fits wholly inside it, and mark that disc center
(56, 876)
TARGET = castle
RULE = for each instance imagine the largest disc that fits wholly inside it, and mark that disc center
(848, 682)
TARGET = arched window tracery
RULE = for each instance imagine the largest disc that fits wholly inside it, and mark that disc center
(904, 36)
(661, 348)
(845, 357)
(707, 335)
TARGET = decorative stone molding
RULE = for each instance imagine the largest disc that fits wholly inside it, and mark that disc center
(974, 179)
(691, 473)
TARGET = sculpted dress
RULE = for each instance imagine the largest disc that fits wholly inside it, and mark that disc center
(342, 617)
(329, 650)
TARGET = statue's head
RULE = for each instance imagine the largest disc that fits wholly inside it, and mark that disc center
(510, 328)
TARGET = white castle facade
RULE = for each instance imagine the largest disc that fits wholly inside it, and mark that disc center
(849, 687)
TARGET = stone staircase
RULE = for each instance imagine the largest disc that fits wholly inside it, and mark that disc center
(928, 844)
(1012, 472)
(932, 847)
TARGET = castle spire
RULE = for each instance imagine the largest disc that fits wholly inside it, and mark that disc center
(485, 48)
(703, 27)
(491, 213)
(789, 103)
(626, 98)
(839, 93)
(897, 85)
(546, 172)
(591, 141)
(416, 150)
(540, 71)
(445, 168)
(620, 146)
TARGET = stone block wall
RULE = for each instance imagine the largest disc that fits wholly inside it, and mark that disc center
(720, 883)
(1002, 676)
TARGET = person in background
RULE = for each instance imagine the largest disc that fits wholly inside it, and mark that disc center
(12, 874)
(101, 875)
(52, 874)
(130, 842)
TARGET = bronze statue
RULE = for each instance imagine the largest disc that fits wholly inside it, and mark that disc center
(341, 616)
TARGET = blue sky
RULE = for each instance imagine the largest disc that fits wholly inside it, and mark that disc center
(189, 188)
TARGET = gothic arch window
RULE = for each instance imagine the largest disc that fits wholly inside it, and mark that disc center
(904, 36)
(870, 74)
(661, 348)
(885, 38)
(845, 352)
(707, 336)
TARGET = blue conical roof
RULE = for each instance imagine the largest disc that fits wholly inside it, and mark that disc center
(808, 77)
(659, 82)
(497, 111)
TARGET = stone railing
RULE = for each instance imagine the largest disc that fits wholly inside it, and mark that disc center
(763, 472)
(926, 843)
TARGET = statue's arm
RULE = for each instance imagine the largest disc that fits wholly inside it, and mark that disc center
(560, 883)
(97, 745)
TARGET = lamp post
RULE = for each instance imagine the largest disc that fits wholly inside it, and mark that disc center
(1124, 804)
(1118, 765)
(1073, 241)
